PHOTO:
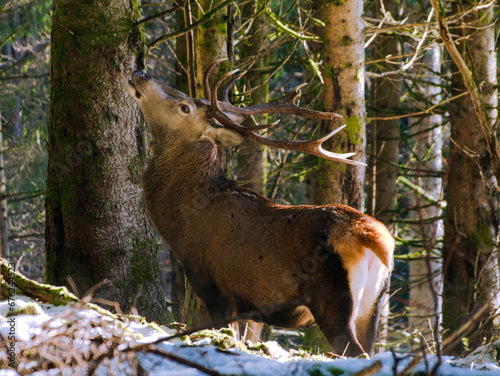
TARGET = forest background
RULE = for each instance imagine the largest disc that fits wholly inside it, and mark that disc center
(416, 82)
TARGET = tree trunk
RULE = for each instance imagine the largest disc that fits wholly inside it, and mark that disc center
(428, 165)
(470, 255)
(344, 93)
(96, 223)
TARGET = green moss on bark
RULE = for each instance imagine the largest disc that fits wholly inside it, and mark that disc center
(354, 128)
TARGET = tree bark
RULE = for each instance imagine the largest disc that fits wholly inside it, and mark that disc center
(96, 223)
(344, 93)
(470, 255)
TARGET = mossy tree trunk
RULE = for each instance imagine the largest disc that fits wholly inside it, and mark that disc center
(211, 45)
(470, 254)
(344, 74)
(96, 223)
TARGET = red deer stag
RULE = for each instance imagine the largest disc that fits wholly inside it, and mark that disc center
(292, 266)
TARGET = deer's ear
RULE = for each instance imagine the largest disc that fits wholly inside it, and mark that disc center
(223, 136)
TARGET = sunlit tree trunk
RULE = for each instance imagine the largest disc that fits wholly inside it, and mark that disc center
(96, 223)
(344, 74)
(470, 255)
(425, 212)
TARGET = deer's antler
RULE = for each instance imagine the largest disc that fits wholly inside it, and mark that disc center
(284, 105)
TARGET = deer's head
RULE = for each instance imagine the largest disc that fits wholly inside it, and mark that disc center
(169, 111)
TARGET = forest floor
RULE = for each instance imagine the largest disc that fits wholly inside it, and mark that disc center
(82, 339)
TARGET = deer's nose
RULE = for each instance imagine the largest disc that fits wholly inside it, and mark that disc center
(140, 74)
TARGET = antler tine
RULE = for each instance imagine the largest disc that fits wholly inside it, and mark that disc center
(230, 84)
(283, 105)
(294, 93)
(214, 103)
(215, 87)
(206, 76)
(313, 147)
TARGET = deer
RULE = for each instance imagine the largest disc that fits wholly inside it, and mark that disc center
(290, 266)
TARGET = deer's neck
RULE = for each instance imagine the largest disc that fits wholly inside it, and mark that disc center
(179, 182)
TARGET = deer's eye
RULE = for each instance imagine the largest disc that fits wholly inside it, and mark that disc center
(185, 108)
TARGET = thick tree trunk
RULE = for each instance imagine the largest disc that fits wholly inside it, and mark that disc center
(344, 93)
(96, 223)
(470, 255)
(428, 164)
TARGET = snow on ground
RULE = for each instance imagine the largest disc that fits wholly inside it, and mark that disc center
(74, 340)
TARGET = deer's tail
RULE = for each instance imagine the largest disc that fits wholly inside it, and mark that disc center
(363, 232)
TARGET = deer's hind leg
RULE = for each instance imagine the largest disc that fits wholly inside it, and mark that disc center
(333, 306)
